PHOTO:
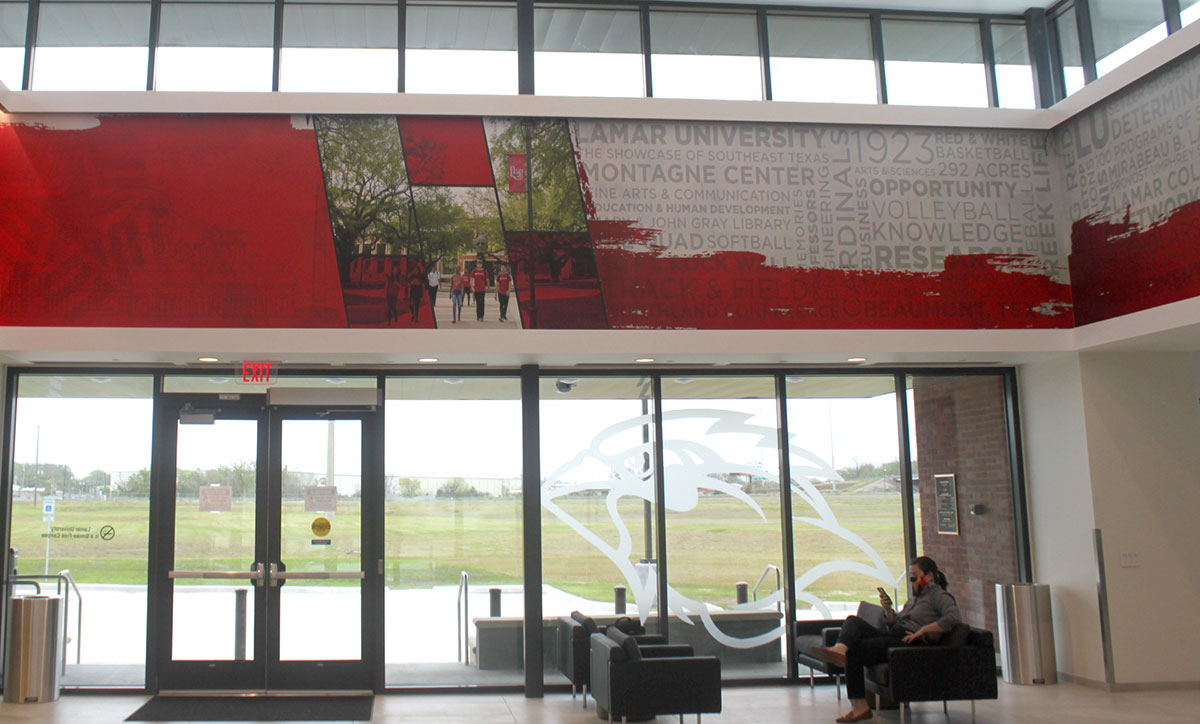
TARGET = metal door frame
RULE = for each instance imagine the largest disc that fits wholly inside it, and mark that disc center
(264, 672)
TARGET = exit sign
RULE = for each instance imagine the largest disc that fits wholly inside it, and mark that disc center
(257, 373)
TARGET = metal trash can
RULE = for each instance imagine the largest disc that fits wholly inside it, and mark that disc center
(1026, 633)
(33, 654)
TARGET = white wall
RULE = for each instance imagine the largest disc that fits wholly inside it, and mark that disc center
(1143, 450)
(1060, 509)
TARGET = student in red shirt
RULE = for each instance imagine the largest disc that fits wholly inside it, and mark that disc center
(479, 285)
(503, 284)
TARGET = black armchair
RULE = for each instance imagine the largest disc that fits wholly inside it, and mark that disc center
(574, 647)
(632, 680)
(960, 666)
(818, 633)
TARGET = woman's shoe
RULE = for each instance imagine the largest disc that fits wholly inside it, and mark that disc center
(861, 716)
(829, 656)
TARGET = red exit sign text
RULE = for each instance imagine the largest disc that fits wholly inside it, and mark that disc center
(256, 372)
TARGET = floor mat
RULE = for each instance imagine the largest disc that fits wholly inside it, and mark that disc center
(255, 708)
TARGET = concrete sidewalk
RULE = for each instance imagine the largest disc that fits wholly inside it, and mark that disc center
(491, 309)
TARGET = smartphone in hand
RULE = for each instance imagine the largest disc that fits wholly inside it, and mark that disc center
(883, 596)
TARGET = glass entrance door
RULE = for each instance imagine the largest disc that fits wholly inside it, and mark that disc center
(263, 579)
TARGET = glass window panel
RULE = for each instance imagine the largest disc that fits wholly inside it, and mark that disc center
(92, 46)
(588, 52)
(215, 47)
(223, 454)
(321, 453)
(453, 506)
(1014, 73)
(934, 63)
(1123, 28)
(597, 498)
(960, 428)
(705, 55)
(821, 59)
(1068, 48)
(82, 445)
(724, 526)
(1189, 11)
(461, 49)
(844, 460)
(12, 44)
(339, 48)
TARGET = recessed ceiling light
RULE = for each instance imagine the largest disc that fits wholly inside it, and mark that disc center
(209, 359)
(684, 380)
(428, 360)
(102, 380)
(452, 380)
(335, 380)
(795, 380)
(218, 380)
(644, 360)
(857, 359)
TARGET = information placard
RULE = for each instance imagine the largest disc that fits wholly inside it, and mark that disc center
(216, 498)
(320, 499)
(947, 504)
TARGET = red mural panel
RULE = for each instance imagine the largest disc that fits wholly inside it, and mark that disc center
(445, 151)
(165, 221)
(1118, 267)
(564, 291)
(737, 290)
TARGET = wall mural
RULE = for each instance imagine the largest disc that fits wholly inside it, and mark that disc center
(330, 221)
(1132, 174)
(696, 469)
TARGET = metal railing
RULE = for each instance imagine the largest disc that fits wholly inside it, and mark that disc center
(63, 581)
(778, 581)
(464, 634)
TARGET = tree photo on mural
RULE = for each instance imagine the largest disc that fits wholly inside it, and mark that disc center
(370, 212)
(545, 226)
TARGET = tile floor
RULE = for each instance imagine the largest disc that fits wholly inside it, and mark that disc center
(750, 705)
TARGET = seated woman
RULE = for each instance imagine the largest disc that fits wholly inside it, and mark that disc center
(928, 614)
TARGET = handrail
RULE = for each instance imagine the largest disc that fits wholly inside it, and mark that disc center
(464, 637)
(37, 586)
(778, 579)
(66, 573)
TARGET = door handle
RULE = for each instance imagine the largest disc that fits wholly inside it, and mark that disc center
(254, 574)
(321, 575)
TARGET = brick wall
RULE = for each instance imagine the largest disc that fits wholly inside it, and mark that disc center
(961, 429)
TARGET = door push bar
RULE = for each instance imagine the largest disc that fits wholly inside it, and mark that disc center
(254, 574)
(277, 575)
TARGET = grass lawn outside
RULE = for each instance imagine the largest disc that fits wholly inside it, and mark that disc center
(429, 541)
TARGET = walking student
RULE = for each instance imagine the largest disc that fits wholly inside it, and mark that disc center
(503, 285)
(434, 278)
(416, 290)
(457, 281)
(479, 284)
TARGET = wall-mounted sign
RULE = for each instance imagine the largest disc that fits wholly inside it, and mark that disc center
(257, 373)
(947, 504)
(216, 498)
(320, 527)
(320, 499)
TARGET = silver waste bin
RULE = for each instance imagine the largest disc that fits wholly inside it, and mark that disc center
(1026, 633)
(33, 654)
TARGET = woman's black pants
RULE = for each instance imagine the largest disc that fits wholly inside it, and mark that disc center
(866, 645)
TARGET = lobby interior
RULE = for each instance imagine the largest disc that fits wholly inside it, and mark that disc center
(1098, 419)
